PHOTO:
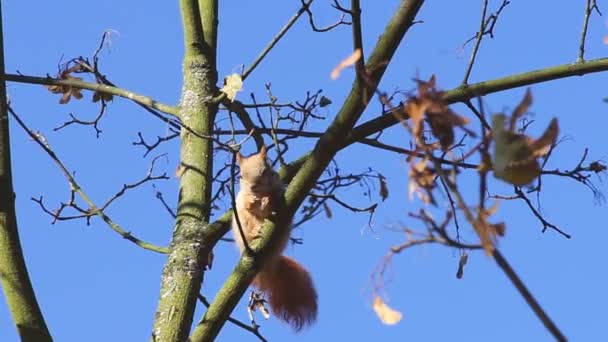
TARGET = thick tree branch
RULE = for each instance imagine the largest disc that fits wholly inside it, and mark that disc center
(528, 297)
(327, 146)
(336, 135)
(189, 251)
(467, 92)
(243, 274)
(459, 94)
(14, 278)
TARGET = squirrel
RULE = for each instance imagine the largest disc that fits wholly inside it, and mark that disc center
(287, 286)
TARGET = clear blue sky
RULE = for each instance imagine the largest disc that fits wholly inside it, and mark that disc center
(94, 286)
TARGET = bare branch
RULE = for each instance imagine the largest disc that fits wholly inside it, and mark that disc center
(93, 209)
(546, 224)
(527, 295)
(306, 6)
(276, 39)
(137, 98)
(151, 146)
(591, 5)
(486, 28)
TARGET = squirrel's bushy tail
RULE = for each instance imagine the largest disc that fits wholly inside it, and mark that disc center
(289, 291)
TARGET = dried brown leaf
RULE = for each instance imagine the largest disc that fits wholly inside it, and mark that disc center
(488, 232)
(98, 96)
(422, 182)
(429, 104)
(324, 102)
(55, 89)
(383, 188)
(515, 155)
(67, 90)
(597, 167)
(521, 109)
(65, 98)
(416, 108)
(461, 263)
(76, 93)
(542, 145)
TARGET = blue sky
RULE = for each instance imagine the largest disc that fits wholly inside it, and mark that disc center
(92, 284)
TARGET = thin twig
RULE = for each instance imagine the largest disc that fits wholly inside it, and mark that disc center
(591, 5)
(276, 39)
(546, 224)
(480, 34)
(306, 6)
(76, 187)
(502, 263)
(355, 13)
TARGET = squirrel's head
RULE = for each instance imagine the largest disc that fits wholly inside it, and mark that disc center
(255, 168)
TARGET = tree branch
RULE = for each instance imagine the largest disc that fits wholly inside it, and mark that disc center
(276, 39)
(253, 328)
(529, 298)
(467, 92)
(18, 289)
(326, 148)
(137, 98)
(498, 257)
(93, 209)
(189, 252)
(336, 137)
(458, 94)
(591, 5)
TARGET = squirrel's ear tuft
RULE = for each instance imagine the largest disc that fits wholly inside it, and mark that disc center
(239, 157)
(263, 151)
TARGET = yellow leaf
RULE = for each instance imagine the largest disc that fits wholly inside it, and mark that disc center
(348, 61)
(232, 84)
(386, 314)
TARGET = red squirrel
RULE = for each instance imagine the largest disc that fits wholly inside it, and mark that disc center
(286, 284)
